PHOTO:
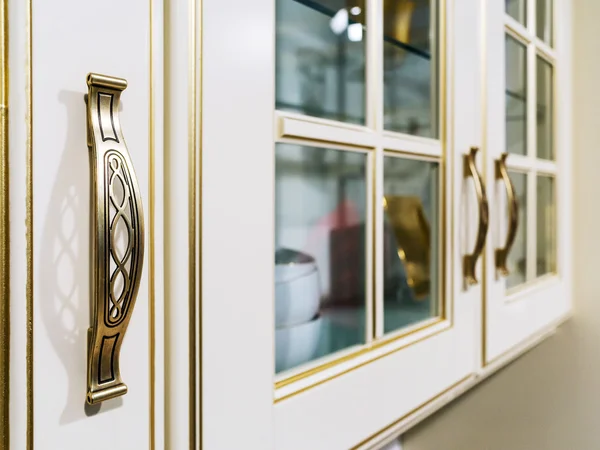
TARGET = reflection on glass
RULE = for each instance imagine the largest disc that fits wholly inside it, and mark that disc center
(320, 58)
(411, 242)
(516, 9)
(320, 239)
(543, 20)
(410, 67)
(516, 97)
(546, 225)
(517, 257)
(544, 110)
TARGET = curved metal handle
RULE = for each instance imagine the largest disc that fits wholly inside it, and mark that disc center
(117, 237)
(501, 254)
(470, 260)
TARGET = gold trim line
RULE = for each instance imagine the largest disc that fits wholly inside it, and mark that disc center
(198, 80)
(29, 225)
(151, 238)
(4, 234)
(192, 224)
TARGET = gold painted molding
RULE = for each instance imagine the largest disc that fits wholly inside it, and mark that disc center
(151, 237)
(4, 234)
(29, 224)
(195, 222)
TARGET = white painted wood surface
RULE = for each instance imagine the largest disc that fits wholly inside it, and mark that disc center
(237, 224)
(69, 39)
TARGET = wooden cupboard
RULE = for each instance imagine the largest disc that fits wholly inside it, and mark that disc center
(353, 211)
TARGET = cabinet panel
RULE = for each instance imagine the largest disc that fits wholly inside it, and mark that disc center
(70, 39)
(238, 223)
(536, 293)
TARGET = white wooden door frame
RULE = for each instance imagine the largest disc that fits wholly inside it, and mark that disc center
(237, 142)
(522, 314)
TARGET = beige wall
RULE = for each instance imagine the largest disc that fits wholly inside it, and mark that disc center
(549, 399)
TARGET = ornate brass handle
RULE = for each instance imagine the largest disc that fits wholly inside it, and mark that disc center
(117, 237)
(469, 261)
(501, 254)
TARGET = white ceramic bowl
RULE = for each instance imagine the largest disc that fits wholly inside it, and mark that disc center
(297, 288)
(288, 272)
(297, 345)
(297, 299)
(291, 264)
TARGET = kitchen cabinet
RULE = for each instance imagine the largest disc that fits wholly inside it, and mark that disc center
(335, 215)
(348, 166)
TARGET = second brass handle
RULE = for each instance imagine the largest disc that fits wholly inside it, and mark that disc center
(501, 254)
(470, 260)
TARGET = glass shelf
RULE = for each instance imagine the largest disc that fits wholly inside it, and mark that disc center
(321, 65)
(329, 12)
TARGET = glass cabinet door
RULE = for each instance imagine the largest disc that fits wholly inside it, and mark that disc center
(364, 166)
(530, 292)
(358, 227)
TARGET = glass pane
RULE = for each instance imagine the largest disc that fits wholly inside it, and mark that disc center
(543, 20)
(516, 9)
(516, 97)
(320, 238)
(320, 58)
(411, 242)
(546, 225)
(517, 257)
(545, 147)
(410, 67)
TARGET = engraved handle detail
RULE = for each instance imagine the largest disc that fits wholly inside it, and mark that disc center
(470, 260)
(117, 237)
(501, 254)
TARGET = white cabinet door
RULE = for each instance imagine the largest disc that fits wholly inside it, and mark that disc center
(54, 45)
(527, 116)
(335, 214)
